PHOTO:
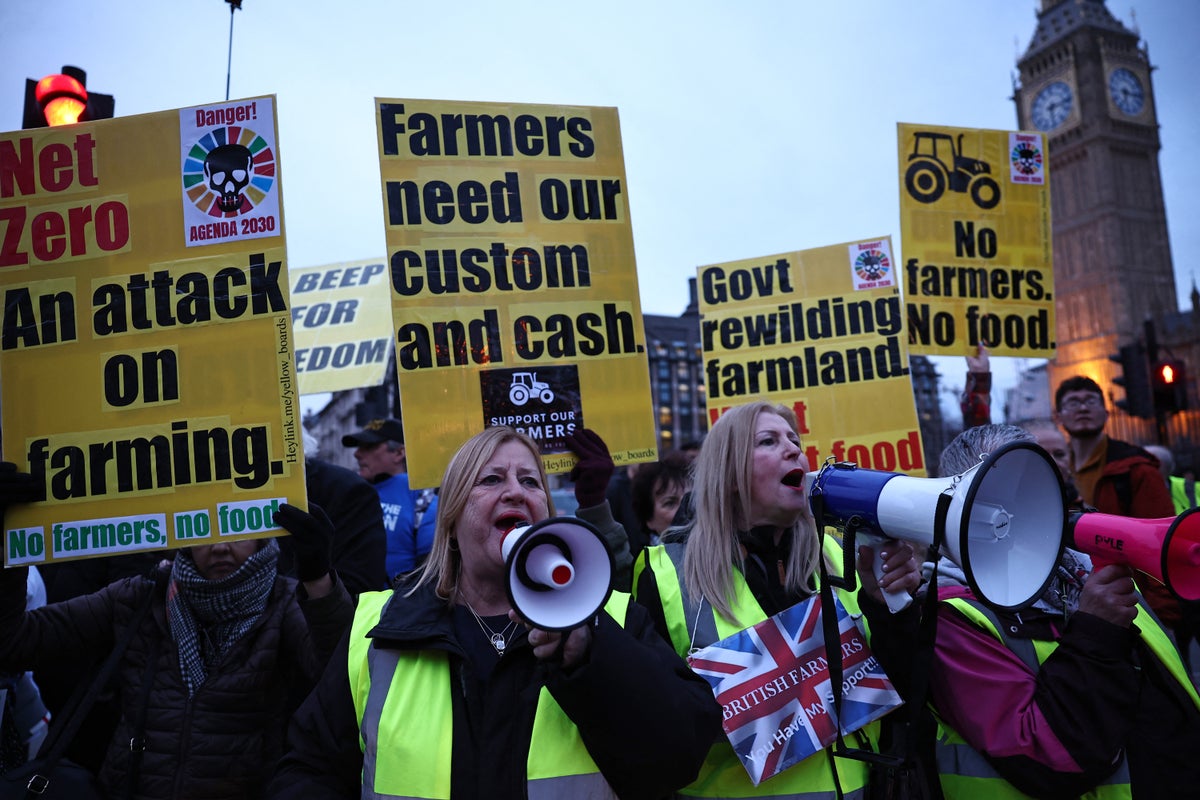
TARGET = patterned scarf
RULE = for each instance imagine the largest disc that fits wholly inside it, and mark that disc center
(208, 617)
(1062, 595)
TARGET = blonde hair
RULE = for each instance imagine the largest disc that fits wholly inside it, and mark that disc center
(721, 496)
(444, 562)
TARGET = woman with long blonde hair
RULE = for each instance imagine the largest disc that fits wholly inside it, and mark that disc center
(751, 551)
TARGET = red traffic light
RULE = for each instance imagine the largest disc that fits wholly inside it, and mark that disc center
(62, 99)
(1170, 385)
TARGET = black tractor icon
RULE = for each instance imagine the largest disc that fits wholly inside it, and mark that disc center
(937, 162)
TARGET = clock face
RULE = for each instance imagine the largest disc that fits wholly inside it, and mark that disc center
(1126, 91)
(1052, 106)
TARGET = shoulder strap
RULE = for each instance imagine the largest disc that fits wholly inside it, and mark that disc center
(137, 742)
(1021, 647)
(904, 754)
(81, 702)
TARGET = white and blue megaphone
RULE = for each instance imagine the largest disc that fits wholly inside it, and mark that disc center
(1003, 521)
(559, 572)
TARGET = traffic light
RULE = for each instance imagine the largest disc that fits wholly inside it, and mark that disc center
(1135, 378)
(63, 99)
(1169, 379)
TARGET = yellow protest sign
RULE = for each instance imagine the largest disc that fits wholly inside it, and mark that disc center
(146, 355)
(822, 332)
(342, 319)
(975, 227)
(514, 287)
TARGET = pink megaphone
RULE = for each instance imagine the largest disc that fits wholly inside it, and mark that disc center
(1167, 549)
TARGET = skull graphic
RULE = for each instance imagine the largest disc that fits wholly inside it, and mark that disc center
(228, 169)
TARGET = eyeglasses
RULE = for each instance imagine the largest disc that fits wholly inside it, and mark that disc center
(1079, 403)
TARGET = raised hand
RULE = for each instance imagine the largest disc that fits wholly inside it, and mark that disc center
(594, 468)
(312, 539)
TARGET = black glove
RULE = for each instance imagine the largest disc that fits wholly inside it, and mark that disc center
(18, 487)
(312, 539)
(594, 468)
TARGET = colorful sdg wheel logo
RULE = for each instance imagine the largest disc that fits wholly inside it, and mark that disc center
(229, 172)
(1026, 158)
(872, 265)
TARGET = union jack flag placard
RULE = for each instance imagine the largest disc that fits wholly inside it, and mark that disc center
(772, 681)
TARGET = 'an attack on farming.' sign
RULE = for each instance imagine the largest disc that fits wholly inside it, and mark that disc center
(146, 359)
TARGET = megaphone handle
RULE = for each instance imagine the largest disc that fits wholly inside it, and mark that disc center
(897, 600)
(1099, 562)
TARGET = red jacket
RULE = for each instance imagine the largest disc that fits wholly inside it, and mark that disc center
(976, 400)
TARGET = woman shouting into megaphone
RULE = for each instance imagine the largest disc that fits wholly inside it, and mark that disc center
(752, 551)
(443, 692)
(1082, 694)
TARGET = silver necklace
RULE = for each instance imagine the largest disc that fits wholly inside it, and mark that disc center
(499, 639)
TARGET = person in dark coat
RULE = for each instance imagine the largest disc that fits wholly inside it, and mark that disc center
(1080, 694)
(441, 691)
(359, 547)
(229, 649)
(358, 554)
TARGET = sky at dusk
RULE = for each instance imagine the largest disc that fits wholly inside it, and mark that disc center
(748, 129)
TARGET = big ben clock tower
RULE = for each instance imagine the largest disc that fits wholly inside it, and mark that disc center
(1085, 83)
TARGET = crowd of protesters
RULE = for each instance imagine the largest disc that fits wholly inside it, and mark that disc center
(376, 651)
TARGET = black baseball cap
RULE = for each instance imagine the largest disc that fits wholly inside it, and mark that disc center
(374, 432)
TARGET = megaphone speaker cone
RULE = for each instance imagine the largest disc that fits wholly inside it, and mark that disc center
(546, 565)
(1181, 556)
(1012, 527)
(1004, 519)
(559, 572)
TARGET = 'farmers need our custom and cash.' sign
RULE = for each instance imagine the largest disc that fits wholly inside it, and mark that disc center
(146, 360)
(514, 287)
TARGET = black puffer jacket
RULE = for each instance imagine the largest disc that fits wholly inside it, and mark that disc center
(224, 741)
(645, 718)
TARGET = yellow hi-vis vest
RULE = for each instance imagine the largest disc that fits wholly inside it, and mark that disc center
(405, 721)
(1180, 496)
(723, 775)
(966, 774)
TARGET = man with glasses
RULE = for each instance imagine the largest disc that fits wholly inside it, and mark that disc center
(1114, 477)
